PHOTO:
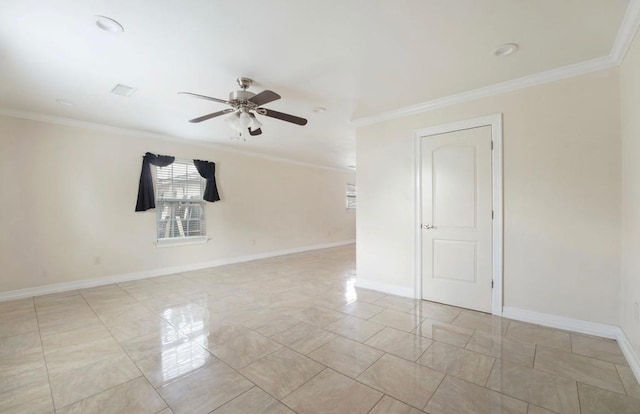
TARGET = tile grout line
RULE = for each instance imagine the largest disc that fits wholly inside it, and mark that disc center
(434, 392)
(281, 400)
(111, 388)
(189, 374)
(123, 351)
(370, 365)
(304, 356)
(383, 392)
(493, 365)
(433, 341)
(326, 367)
(563, 375)
(571, 343)
(236, 397)
(579, 399)
(44, 358)
(511, 396)
(240, 373)
(376, 403)
(492, 391)
(495, 360)
(620, 378)
(596, 357)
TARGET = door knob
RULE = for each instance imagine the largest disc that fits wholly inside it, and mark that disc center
(427, 226)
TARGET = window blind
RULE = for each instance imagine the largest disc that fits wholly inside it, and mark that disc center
(179, 203)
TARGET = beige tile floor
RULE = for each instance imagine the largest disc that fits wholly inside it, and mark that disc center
(292, 335)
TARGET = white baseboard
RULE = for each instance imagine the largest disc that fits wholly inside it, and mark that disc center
(629, 353)
(107, 280)
(561, 322)
(385, 287)
(579, 326)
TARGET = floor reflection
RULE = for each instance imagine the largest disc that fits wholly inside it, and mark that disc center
(189, 356)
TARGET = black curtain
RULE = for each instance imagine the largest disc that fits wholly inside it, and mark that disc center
(146, 198)
(208, 171)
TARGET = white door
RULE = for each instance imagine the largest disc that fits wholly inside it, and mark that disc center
(457, 218)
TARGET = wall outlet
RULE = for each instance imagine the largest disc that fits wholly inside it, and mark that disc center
(97, 260)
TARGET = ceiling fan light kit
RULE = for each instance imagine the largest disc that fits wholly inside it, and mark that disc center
(245, 105)
(244, 120)
(254, 124)
(241, 121)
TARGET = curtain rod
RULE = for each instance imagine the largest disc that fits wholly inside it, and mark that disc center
(179, 159)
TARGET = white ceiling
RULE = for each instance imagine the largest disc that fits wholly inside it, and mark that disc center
(357, 58)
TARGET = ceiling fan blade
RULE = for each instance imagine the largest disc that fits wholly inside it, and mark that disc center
(208, 98)
(256, 132)
(282, 116)
(209, 116)
(265, 97)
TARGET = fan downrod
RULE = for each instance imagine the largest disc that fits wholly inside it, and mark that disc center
(244, 82)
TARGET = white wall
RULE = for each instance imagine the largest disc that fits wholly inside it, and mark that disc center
(561, 196)
(68, 195)
(630, 116)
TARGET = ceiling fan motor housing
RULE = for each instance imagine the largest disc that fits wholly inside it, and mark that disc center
(241, 95)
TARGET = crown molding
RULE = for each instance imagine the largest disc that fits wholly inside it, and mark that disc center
(626, 32)
(583, 68)
(57, 120)
(624, 37)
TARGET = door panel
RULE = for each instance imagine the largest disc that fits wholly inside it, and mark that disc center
(455, 260)
(454, 170)
(456, 218)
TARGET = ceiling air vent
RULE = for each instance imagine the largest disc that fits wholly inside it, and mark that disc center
(123, 90)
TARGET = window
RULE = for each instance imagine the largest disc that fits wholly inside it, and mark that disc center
(179, 203)
(351, 197)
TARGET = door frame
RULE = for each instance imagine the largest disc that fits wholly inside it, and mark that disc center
(495, 122)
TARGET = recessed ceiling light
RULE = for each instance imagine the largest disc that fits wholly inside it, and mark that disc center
(506, 49)
(123, 90)
(319, 109)
(65, 102)
(108, 24)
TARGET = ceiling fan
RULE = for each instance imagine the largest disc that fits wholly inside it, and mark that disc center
(245, 105)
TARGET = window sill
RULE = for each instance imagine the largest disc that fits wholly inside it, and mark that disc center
(186, 241)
